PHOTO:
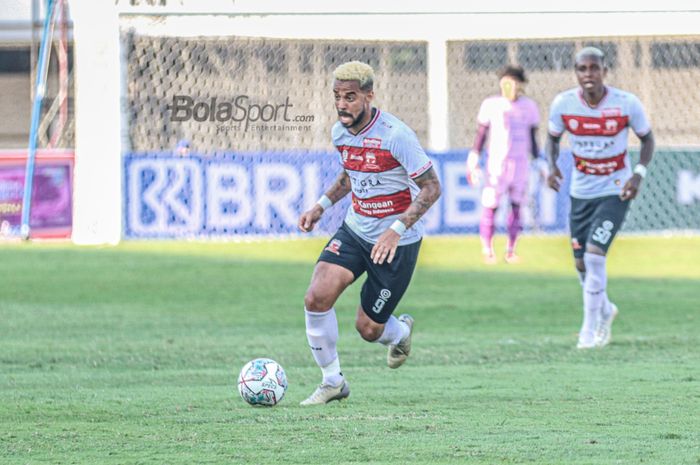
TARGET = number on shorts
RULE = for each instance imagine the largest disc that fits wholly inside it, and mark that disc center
(601, 235)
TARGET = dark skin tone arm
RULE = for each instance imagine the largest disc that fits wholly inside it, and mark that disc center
(631, 188)
(551, 149)
(533, 142)
(385, 248)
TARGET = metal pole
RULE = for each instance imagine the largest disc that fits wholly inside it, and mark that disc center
(40, 88)
(62, 54)
(36, 12)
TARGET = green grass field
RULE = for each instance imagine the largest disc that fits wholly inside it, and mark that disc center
(129, 355)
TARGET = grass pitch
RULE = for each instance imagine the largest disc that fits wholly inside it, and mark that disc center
(129, 355)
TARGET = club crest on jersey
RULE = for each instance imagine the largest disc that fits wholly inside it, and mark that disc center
(612, 112)
(334, 246)
(345, 155)
(371, 142)
(573, 124)
(611, 125)
(371, 160)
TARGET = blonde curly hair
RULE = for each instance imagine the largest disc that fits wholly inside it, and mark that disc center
(356, 71)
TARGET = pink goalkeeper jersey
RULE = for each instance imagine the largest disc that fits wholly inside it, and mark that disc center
(598, 138)
(382, 161)
(510, 124)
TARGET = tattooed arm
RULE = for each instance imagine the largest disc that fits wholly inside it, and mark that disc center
(429, 193)
(340, 187)
(386, 245)
(337, 191)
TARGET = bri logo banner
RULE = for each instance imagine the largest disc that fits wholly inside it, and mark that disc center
(231, 195)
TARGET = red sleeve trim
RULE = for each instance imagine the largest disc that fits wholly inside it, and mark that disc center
(422, 170)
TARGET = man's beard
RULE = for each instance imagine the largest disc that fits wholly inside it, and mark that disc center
(354, 121)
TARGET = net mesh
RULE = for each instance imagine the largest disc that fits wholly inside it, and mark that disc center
(57, 121)
(661, 71)
(255, 72)
(279, 98)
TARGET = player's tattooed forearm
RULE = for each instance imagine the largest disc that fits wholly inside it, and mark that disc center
(426, 178)
(340, 187)
(429, 193)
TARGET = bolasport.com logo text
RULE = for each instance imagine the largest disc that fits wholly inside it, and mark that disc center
(238, 113)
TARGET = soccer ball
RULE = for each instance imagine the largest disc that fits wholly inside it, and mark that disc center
(262, 382)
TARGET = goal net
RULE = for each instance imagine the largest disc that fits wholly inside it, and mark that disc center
(227, 131)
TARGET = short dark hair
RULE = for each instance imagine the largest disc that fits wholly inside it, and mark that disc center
(590, 52)
(516, 72)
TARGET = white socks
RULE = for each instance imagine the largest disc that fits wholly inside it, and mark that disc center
(595, 299)
(322, 334)
(581, 277)
(394, 331)
(332, 374)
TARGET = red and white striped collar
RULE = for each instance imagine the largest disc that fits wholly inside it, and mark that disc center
(369, 125)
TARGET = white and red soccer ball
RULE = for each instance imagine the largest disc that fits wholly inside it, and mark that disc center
(262, 382)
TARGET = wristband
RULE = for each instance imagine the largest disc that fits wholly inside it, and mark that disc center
(472, 160)
(324, 202)
(398, 227)
(641, 170)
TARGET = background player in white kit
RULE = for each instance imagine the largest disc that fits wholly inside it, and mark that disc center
(393, 184)
(603, 184)
(510, 122)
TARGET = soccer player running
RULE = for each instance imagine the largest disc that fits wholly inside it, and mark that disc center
(603, 184)
(393, 184)
(510, 122)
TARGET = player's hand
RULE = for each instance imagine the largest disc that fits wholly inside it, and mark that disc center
(474, 175)
(554, 179)
(385, 248)
(309, 218)
(542, 168)
(631, 188)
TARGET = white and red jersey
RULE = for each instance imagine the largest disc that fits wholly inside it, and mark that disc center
(381, 160)
(598, 138)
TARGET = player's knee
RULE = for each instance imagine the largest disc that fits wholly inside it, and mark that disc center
(488, 213)
(594, 249)
(315, 301)
(594, 284)
(369, 331)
